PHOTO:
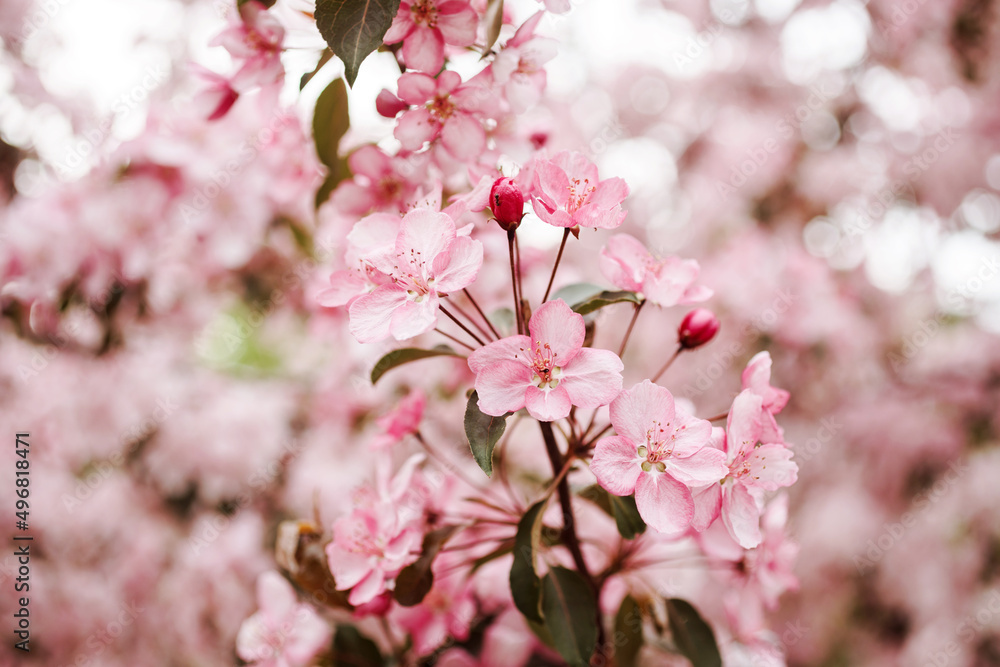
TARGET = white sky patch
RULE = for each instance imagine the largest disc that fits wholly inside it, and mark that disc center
(898, 248)
(830, 37)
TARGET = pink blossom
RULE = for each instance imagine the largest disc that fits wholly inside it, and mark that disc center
(518, 67)
(446, 612)
(254, 38)
(379, 183)
(568, 193)
(549, 371)
(443, 108)
(659, 452)
(402, 421)
(697, 328)
(379, 538)
(667, 281)
(428, 260)
(217, 98)
(425, 26)
(371, 237)
(506, 203)
(754, 467)
(757, 378)
(283, 632)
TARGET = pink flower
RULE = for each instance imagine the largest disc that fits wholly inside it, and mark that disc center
(754, 467)
(379, 538)
(757, 378)
(379, 183)
(658, 454)
(548, 372)
(697, 328)
(568, 193)
(519, 66)
(447, 611)
(428, 260)
(445, 109)
(506, 203)
(425, 26)
(283, 632)
(217, 98)
(371, 237)
(402, 421)
(666, 282)
(255, 38)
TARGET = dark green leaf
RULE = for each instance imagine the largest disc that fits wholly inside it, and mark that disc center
(598, 301)
(570, 615)
(576, 292)
(353, 649)
(354, 28)
(692, 635)
(525, 585)
(503, 320)
(484, 432)
(628, 633)
(406, 355)
(621, 508)
(330, 122)
(494, 21)
(414, 582)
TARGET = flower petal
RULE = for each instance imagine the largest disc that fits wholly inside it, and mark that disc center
(502, 387)
(371, 314)
(511, 348)
(423, 235)
(707, 506)
(463, 136)
(616, 464)
(638, 409)
(458, 267)
(556, 325)
(771, 467)
(705, 466)
(424, 50)
(743, 424)
(741, 516)
(412, 318)
(416, 127)
(623, 261)
(593, 377)
(457, 22)
(547, 405)
(664, 503)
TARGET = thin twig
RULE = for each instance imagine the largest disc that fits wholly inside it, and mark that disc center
(511, 235)
(631, 324)
(663, 370)
(471, 320)
(461, 326)
(448, 335)
(552, 277)
(479, 310)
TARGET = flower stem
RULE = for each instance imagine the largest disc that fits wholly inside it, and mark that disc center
(479, 310)
(569, 536)
(511, 236)
(628, 332)
(471, 319)
(562, 246)
(663, 370)
(460, 342)
(462, 326)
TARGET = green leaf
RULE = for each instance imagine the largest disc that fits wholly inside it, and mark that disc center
(620, 508)
(692, 635)
(414, 582)
(570, 614)
(354, 28)
(406, 355)
(576, 292)
(494, 21)
(484, 432)
(330, 122)
(525, 586)
(606, 298)
(503, 320)
(628, 628)
(353, 649)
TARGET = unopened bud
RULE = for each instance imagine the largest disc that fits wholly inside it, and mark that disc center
(698, 327)
(389, 105)
(506, 203)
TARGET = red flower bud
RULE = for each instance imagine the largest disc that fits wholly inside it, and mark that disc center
(698, 327)
(506, 203)
(389, 105)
